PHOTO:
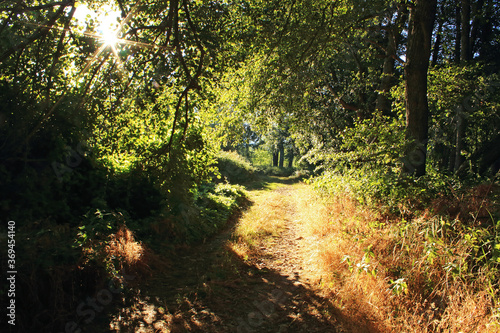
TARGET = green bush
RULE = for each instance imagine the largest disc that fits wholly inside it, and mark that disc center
(390, 192)
(368, 168)
(261, 157)
(234, 168)
(213, 204)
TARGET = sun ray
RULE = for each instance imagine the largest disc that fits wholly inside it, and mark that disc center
(107, 34)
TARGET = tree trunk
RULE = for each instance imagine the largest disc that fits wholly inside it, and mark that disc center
(275, 159)
(465, 56)
(422, 15)
(281, 147)
(437, 42)
(290, 159)
(477, 19)
(466, 52)
(486, 34)
(451, 159)
(383, 103)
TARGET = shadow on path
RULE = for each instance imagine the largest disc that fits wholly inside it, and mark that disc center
(265, 182)
(209, 288)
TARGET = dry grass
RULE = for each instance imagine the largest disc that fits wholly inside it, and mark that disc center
(124, 247)
(385, 273)
(395, 280)
(263, 220)
(122, 253)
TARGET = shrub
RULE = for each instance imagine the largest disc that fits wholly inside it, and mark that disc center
(234, 168)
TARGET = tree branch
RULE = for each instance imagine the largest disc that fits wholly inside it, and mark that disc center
(40, 33)
(21, 8)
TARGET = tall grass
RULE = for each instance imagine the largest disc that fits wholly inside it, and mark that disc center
(436, 272)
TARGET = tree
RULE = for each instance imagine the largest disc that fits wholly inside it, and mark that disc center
(422, 14)
(277, 139)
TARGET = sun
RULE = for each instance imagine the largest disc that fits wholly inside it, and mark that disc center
(107, 17)
(109, 36)
(109, 29)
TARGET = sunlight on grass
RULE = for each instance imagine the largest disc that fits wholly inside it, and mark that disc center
(379, 277)
(265, 219)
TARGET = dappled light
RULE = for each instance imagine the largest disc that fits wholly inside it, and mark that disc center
(216, 287)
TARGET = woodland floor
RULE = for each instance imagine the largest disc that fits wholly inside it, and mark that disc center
(213, 288)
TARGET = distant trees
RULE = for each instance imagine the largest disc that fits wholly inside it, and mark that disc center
(280, 144)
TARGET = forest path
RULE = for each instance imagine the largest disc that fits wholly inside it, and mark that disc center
(249, 278)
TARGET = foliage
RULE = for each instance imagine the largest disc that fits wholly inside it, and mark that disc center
(276, 171)
(102, 142)
(217, 202)
(234, 168)
(261, 157)
(470, 93)
(368, 164)
(101, 137)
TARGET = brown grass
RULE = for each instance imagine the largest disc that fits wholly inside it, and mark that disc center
(381, 271)
(472, 206)
(123, 246)
(359, 252)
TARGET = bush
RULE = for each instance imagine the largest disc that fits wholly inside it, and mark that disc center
(210, 210)
(234, 168)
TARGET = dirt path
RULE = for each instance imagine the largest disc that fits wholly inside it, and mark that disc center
(211, 288)
(287, 254)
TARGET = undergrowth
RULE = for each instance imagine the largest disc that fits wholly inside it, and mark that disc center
(431, 265)
(235, 168)
(113, 226)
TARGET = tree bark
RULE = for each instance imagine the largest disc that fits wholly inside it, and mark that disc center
(275, 159)
(466, 52)
(422, 15)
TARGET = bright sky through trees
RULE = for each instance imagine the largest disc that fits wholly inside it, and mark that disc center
(106, 18)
